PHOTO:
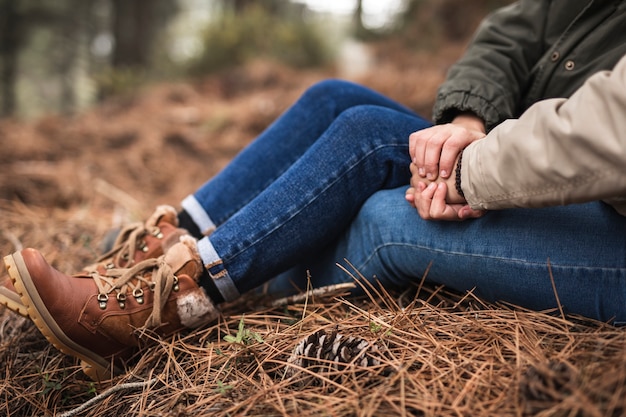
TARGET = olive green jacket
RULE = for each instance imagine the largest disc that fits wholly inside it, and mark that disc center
(524, 63)
(560, 151)
(530, 51)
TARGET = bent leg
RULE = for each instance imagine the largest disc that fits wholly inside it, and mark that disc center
(506, 255)
(314, 201)
(277, 148)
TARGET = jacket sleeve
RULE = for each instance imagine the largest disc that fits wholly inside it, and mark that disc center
(560, 151)
(488, 80)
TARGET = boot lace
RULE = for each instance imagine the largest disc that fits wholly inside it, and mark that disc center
(153, 273)
(128, 242)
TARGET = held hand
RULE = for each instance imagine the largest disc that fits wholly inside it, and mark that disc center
(435, 149)
(418, 184)
(431, 204)
(438, 200)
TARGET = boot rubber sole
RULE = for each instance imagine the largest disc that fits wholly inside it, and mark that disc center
(95, 366)
(13, 302)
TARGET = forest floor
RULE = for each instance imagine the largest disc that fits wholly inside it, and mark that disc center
(66, 181)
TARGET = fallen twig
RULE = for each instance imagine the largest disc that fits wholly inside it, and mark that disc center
(110, 391)
(316, 292)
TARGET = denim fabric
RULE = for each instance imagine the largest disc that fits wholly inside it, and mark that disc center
(306, 190)
(326, 182)
(281, 145)
(507, 255)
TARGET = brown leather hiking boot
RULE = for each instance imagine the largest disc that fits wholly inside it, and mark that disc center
(151, 239)
(100, 315)
(134, 243)
(10, 298)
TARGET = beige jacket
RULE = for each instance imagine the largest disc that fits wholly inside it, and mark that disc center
(560, 151)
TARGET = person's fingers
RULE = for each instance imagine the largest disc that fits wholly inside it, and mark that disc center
(416, 182)
(449, 153)
(413, 137)
(450, 150)
(430, 202)
(420, 142)
(428, 191)
(415, 178)
(423, 200)
(417, 142)
(466, 212)
(432, 153)
(434, 150)
(438, 206)
(409, 196)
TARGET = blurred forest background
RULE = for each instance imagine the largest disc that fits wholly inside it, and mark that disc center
(110, 107)
(107, 99)
(62, 56)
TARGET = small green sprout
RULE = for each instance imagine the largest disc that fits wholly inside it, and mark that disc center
(222, 388)
(50, 385)
(244, 336)
(375, 327)
(91, 388)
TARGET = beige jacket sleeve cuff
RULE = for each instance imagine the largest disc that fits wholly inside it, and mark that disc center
(560, 151)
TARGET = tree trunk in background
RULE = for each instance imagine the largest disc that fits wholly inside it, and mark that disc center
(240, 5)
(359, 28)
(73, 32)
(133, 32)
(274, 7)
(9, 48)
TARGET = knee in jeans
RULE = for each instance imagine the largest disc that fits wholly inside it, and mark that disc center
(368, 117)
(377, 215)
(325, 90)
(388, 217)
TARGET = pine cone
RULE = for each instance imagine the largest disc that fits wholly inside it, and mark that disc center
(324, 351)
(544, 385)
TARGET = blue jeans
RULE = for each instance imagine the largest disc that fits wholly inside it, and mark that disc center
(326, 182)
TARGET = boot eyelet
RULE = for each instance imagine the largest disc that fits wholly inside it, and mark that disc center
(138, 294)
(102, 300)
(143, 246)
(152, 286)
(109, 266)
(175, 287)
(121, 299)
(157, 233)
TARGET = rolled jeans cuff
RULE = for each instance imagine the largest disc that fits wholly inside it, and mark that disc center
(217, 271)
(198, 215)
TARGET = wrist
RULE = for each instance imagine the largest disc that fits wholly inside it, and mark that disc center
(470, 121)
(454, 196)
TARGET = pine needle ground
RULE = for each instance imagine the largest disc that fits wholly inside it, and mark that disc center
(437, 354)
(67, 181)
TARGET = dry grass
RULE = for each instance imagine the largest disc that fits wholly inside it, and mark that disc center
(437, 359)
(440, 354)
